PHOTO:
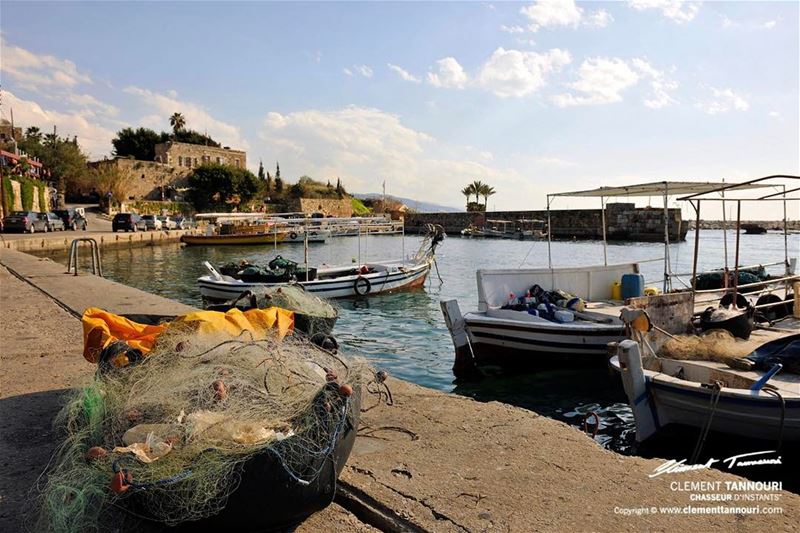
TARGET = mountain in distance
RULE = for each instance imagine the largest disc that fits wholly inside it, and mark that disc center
(416, 205)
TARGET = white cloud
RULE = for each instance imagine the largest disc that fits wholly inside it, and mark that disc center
(449, 74)
(40, 72)
(774, 114)
(600, 81)
(769, 25)
(87, 101)
(599, 19)
(513, 73)
(512, 29)
(660, 85)
(93, 138)
(197, 117)
(562, 13)
(365, 146)
(679, 11)
(347, 71)
(724, 100)
(364, 70)
(403, 73)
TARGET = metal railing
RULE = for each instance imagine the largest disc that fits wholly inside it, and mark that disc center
(97, 265)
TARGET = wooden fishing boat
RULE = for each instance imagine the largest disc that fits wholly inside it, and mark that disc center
(335, 282)
(234, 239)
(493, 335)
(706, 393)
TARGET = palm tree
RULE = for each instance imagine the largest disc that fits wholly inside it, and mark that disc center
(486, 192)
(477, 189)
(34, 134)
(468, 191)
(177, 122)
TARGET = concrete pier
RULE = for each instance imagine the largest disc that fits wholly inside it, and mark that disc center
(430, 462)
(57, 242)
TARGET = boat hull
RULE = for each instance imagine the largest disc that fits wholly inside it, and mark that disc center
(233, 240)
(401, 278)
(511, 343)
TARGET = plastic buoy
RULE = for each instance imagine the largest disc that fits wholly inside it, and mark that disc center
(96, 452)
(120, 482)
(346, 390)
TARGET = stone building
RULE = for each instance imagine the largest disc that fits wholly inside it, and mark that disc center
(9, 133)
(185, 155)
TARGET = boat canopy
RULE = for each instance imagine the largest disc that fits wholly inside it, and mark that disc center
(656, 188)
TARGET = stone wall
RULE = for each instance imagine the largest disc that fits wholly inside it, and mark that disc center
(624, 222)
(188, 156)
(336, 207)
(147, 177)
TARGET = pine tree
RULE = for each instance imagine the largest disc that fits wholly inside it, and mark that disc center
(268, 186)
(339, 188)
(260, 170)
(277, 171)
(278, 183)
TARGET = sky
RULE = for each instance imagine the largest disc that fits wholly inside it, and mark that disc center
(532, 98)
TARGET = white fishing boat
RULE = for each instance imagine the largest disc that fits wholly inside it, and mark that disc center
(673, 376)
(709, 395)
(494, 335)
(298, 235)
(339, 281)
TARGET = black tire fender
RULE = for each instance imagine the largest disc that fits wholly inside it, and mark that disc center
(293, 235)
(362, 286)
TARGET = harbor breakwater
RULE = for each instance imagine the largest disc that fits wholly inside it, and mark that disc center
(624, 222)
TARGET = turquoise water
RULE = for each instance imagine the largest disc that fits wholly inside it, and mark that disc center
(405, 334)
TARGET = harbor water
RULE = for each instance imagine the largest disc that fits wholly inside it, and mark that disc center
(405, 334)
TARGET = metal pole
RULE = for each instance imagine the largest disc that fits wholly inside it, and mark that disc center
(736, 264)
(785, 245)
(666, 238)
(696, 249)
(403, 251)
(549, 235)
(603, 223)
(724, 230)
(305, 245)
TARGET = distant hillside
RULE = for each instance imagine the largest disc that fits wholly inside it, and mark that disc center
(416, 205)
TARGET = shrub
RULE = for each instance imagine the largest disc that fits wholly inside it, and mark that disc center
(42, 198)
(26, 193)
(8, 191)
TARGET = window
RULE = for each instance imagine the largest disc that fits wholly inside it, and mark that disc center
(236, 163)
(219, 161)
(195, 161)
(180, 160)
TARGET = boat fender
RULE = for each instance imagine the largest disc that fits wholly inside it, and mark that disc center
(293, 235)
(362, 286)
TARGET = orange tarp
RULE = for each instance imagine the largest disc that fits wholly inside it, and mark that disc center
(101, 328)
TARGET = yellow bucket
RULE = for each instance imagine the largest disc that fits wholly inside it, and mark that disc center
(616, 291)
(651, 291)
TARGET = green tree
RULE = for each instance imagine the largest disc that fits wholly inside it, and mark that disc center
(261, 175)
(278, 184)
(477, 189)
(177, 122)
(268, 184)
(277, 170)
(138, 144)
(191, 137)
(34, 134)
(62, 157)
(221, 187)
(339, 188)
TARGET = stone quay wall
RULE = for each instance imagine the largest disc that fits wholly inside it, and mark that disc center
(335, 207)
(624, 222)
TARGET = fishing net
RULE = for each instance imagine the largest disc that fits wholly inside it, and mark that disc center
(296, 299)
(168, 437)
(715, 345)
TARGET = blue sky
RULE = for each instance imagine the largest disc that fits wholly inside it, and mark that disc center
(531, 97)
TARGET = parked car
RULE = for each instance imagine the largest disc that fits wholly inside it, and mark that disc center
(127, 222)
(73, 218)
(185, 223)
(24, 221)
(53, 221)
(167, 223)
(151, 222)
